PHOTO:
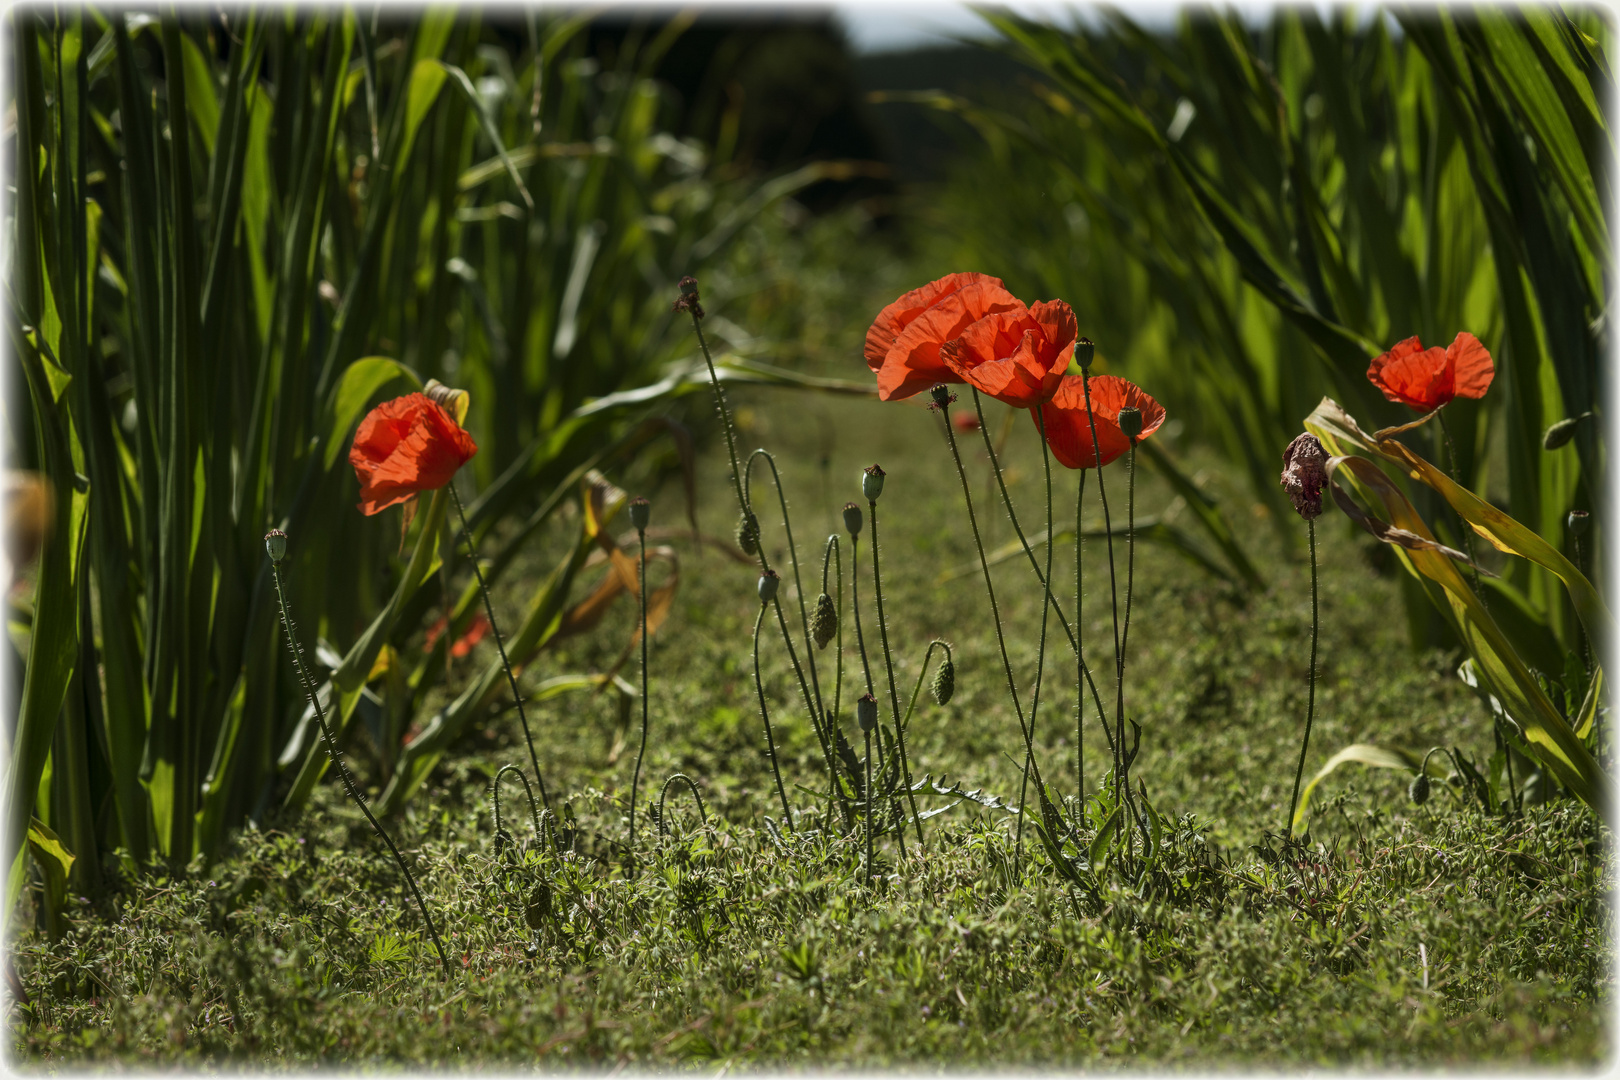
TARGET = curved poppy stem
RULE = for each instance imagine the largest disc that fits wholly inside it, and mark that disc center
(635, 783)
(916, 690)
(349, 785)
(1310, 701)
(1012, 516)
(888, 663)
(995, 611)
(500, 643)
(765, 714)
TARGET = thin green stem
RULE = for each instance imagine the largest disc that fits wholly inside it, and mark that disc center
(725, 414)
(868, 814)
(888, 663)
(1113, 586)
(1046, 607)
(1079, 645)
(855, 603)
(489, 612)
(349, 785)
(1310, 701)
(765, 714)
(916, 690)
(635, 782)
(995, 611)
(1130, 581)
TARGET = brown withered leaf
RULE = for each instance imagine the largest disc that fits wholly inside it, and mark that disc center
(1391, 534)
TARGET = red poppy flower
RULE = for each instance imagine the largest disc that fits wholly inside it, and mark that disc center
(1016, 357)
(462, 645)
(902, 347)
(1428, 378)
(404, 446)
(965, 422)
(1068, 427)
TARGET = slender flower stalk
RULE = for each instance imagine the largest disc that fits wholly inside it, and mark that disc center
(767, 592)
(276, 546)
(872, 484)
(1304, 476)
(1046, 607)
(942, 401)
(1130, 422)
(500, 643)
(944, 679)
(1113, 586)
(866, 716)
(639, 512)
(690, 303)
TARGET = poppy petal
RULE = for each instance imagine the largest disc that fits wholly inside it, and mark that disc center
(893, 320)
(913, 362)
(1471, 367)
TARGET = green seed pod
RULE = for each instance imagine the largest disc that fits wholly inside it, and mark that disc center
(768, 582)
(1418, 792)
(866, 712)
(872, 483)
(275, 545)
(538, 909)
(1130, 421)
(1084, 352)
(944, 685)
(1561, 432)
(853, 519)
(1578, 521)
(824, 623)
(748, 533)
(640, 513)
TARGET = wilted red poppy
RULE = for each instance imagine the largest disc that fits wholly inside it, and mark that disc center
(1068, 427)
(404, 446)
(1428, 378)
(1016, 357)
(902, 346)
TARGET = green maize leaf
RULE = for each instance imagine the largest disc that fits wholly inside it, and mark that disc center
(1361, 754)
(1498, 665)
(1587, 717)
(360, 380)
(1330, 421)
(202, 94)
(491, 132)
(55, 864)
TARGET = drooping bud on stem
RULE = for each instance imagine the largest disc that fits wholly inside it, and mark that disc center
(1305, 475)
(866, 712)
(853, 519)
(768, 583)
(824, 624)
(872, 483)
(748, 532)
(1563, 431)
(1418, 792)
(640, 513)
(1130, 422)
(944, 685)
(275, 545)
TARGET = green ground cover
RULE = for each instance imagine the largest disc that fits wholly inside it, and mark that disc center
(1402, 935)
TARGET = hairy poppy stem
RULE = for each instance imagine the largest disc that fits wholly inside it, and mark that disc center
(765, 713)
(349, 785)
(725, 414)
(1046, 607)
(888, 663)
(995, 611)
(1012, 516)
(870, 796)
(1310, 701)
(1113, 588)
(635, 782)
(500, 643)
(922, 674)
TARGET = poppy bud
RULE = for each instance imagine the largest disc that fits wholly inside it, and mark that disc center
(275, 545)
(1578, 521)
(944, 685)
(872, 483)
(1305, 475)
(538, 909)
(1561, 432)
(1130, 421)
(866, 712)
(640, 511)
(852, 519)
(748, 533)
(1418, 792)
(1084, 351)
(824, 624)
(768, 582)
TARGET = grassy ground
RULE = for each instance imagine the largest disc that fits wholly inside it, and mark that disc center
(1403, 935)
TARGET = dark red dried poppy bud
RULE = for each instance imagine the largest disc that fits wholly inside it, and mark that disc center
(853, 519)
(872, 483)
(688, 300)
(640, 513)
(1305, 475)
